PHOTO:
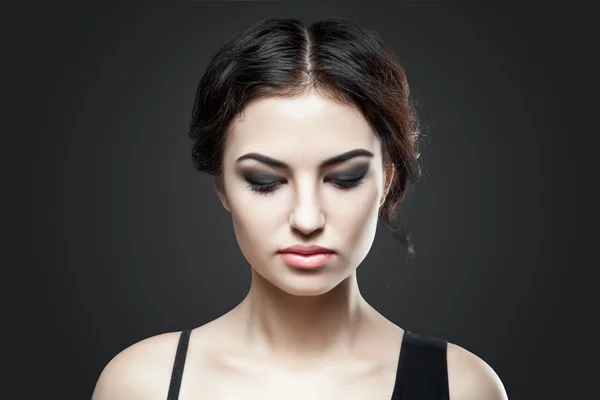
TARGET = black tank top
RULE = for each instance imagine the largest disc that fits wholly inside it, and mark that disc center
(422, 372)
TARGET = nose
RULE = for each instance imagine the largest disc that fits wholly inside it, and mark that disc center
(307, 215)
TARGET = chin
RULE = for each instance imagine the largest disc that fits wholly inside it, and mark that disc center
(305, 283)
(304, 290)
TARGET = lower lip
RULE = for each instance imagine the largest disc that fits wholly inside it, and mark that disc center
(306, 261)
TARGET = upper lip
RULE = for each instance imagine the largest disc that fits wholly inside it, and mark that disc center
(302, 249)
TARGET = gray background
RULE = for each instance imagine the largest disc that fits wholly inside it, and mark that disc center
(114, 237)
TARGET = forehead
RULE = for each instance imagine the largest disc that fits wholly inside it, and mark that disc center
(307, 127)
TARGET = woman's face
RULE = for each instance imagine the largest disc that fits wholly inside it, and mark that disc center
(301, 201)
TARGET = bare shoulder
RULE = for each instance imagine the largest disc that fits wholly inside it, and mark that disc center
(141, 371)
(471, 378)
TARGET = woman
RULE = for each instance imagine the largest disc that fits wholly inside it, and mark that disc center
(311, 139)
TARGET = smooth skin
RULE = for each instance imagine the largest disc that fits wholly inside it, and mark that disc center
(297, 334)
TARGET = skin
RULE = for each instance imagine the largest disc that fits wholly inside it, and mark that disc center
(297, 334)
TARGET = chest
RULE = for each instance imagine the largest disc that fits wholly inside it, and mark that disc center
(325, 382)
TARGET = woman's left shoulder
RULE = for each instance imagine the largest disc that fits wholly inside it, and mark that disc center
(471, 378)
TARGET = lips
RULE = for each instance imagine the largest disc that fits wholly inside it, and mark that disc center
(306, 256)
(306, 261)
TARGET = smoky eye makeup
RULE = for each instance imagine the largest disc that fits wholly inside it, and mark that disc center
(353, 173)
(260, 177)
(261, 181)
(350, 174)
(345, 179)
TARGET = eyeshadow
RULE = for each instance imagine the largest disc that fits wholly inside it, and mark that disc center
(260, 177)
(352, 173)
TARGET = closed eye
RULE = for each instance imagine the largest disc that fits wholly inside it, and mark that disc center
(350, 183)
(344, 184)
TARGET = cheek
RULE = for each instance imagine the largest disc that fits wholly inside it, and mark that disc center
(255, 221)
(356, 219)
(358, 203)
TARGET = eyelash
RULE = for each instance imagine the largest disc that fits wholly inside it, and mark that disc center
(267, 188)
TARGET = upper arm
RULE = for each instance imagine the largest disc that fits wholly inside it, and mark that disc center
(140, 372)
(471, 378)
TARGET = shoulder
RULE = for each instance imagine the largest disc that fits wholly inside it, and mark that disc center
(141, 371)
(471, 378)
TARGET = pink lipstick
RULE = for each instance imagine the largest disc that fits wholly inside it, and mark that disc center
(306, 257)
(306, 260)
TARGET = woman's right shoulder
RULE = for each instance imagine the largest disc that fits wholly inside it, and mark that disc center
(141, 371)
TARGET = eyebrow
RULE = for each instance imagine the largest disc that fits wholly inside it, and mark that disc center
(330, 161)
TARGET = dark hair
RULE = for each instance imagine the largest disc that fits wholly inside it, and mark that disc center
(286, 57)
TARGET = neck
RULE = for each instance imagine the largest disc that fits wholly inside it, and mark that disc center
(304, 327)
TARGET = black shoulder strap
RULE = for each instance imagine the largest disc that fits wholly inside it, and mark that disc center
(422, 368)
(178, 365)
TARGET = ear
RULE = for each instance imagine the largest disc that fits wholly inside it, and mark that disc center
(221, 193)
(388, 178)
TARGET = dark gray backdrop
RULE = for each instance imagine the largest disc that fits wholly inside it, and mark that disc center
(119, 239)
